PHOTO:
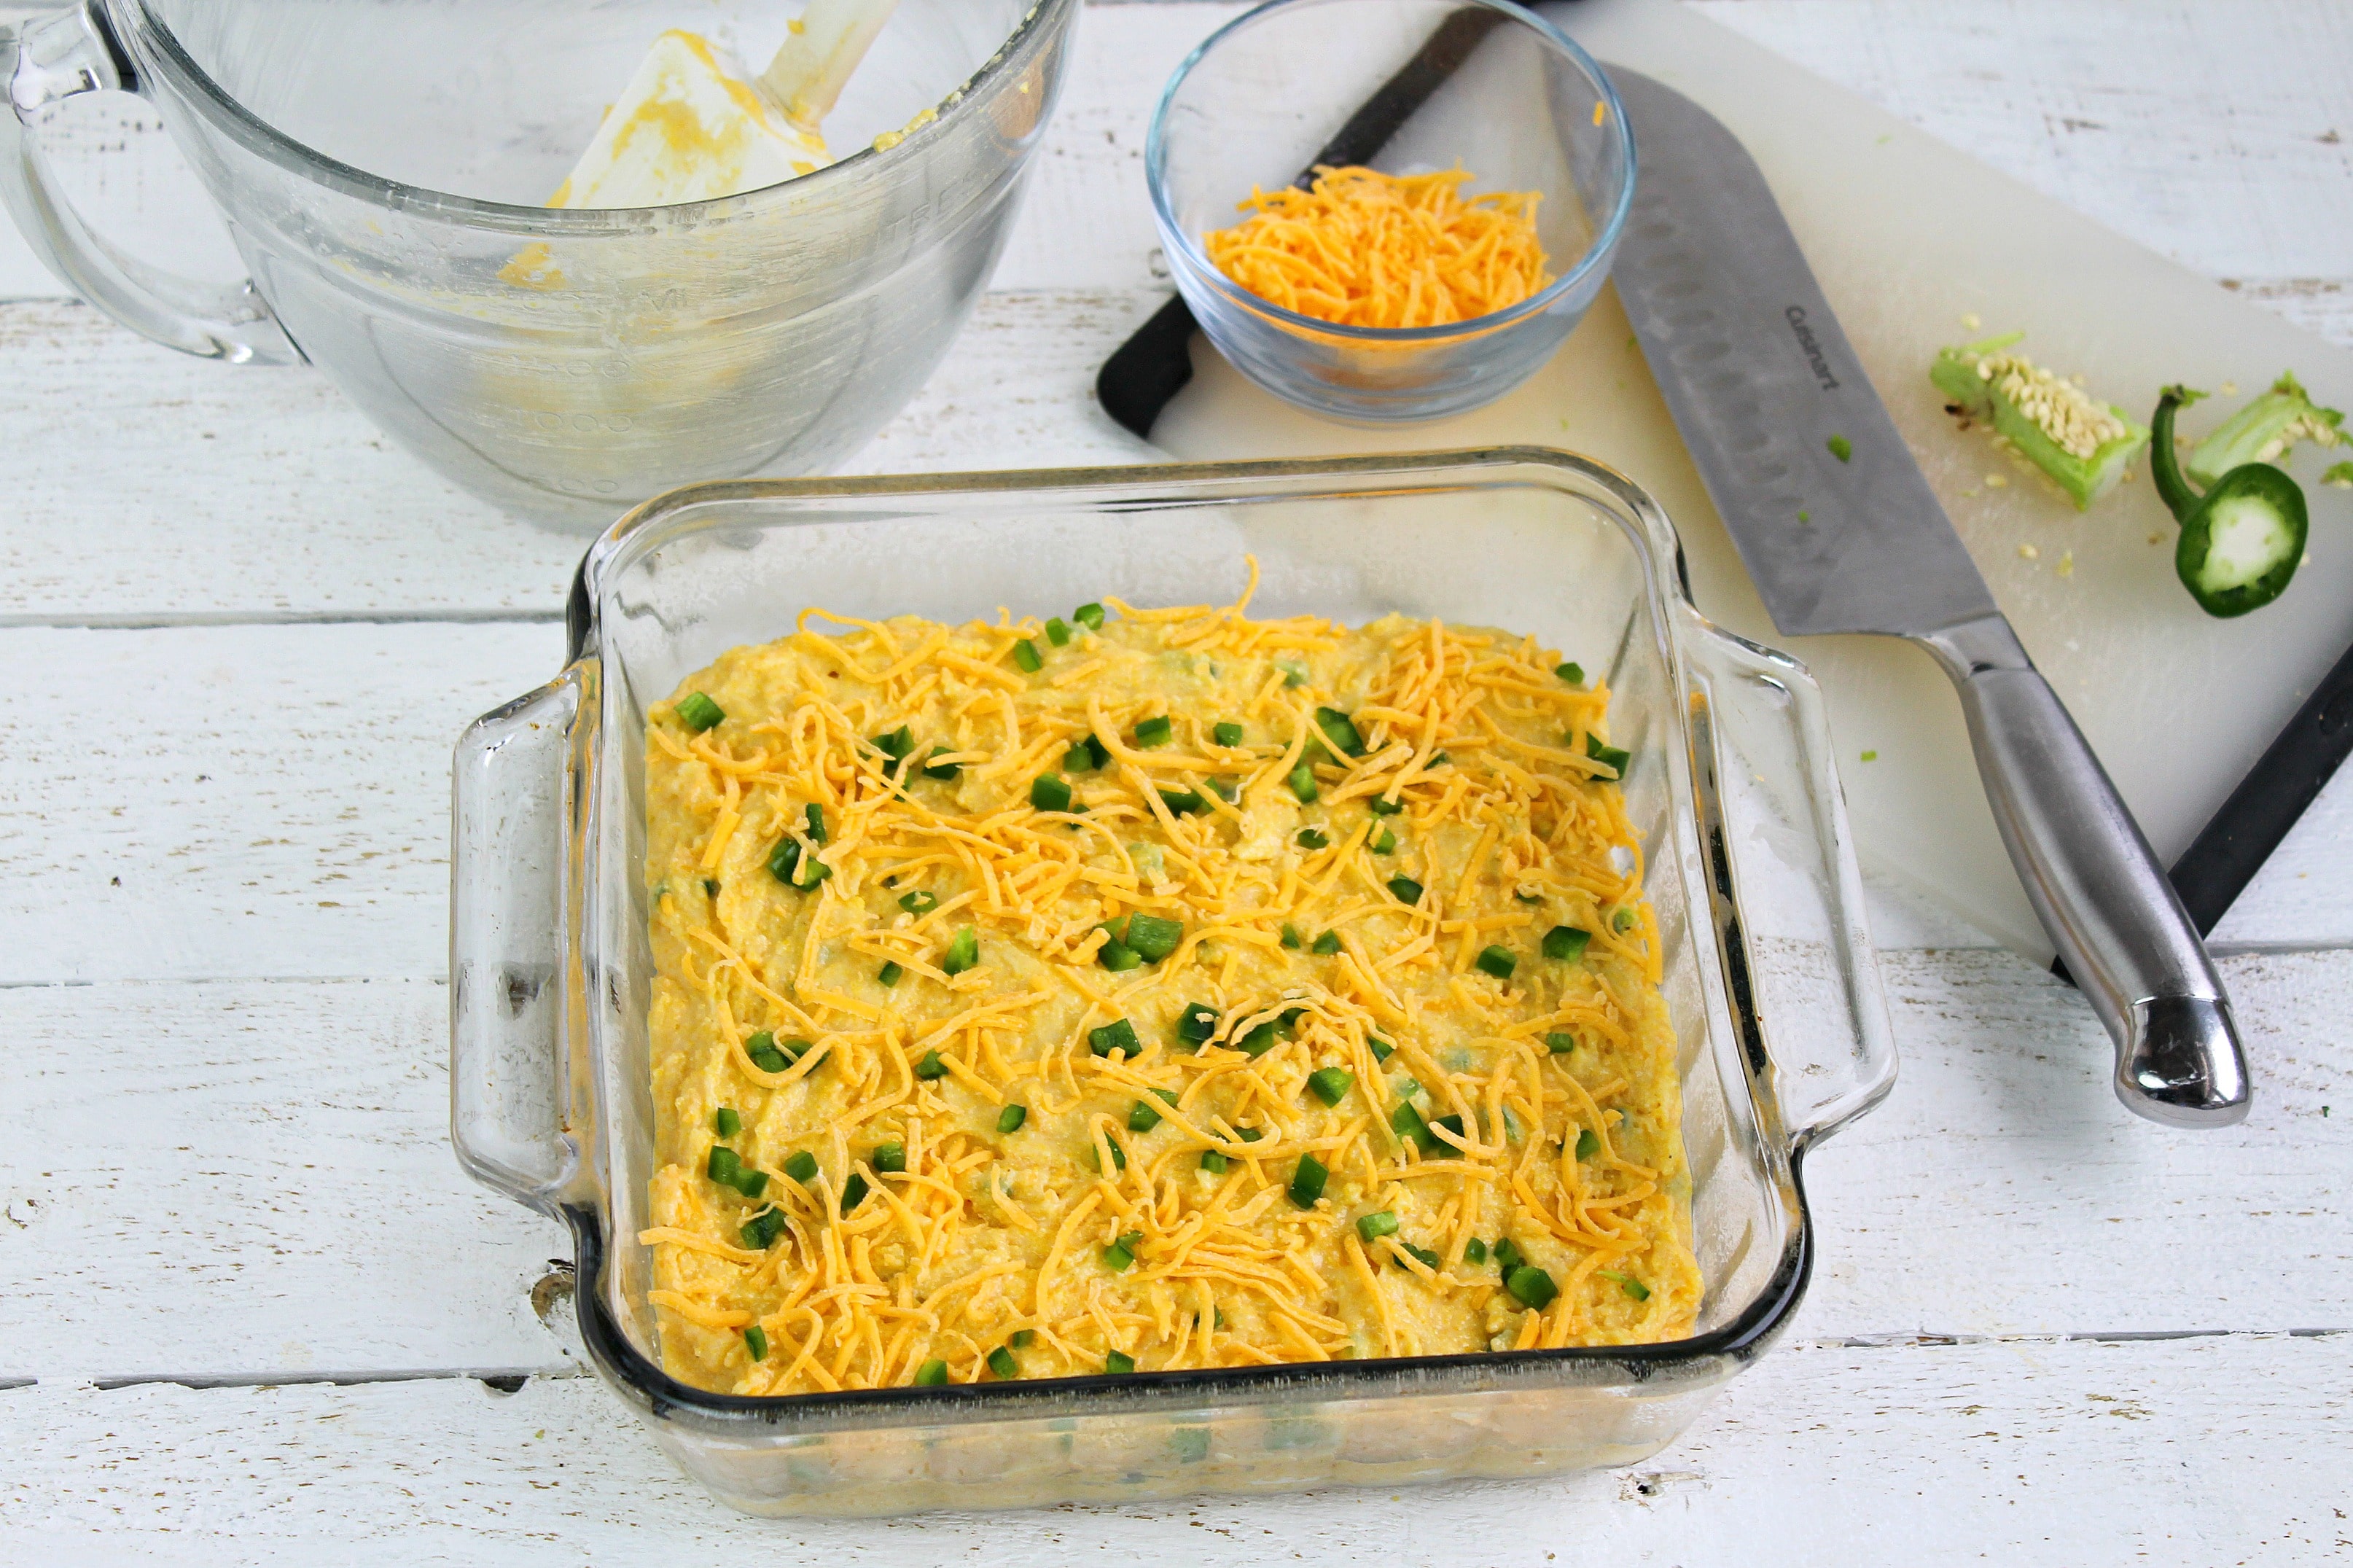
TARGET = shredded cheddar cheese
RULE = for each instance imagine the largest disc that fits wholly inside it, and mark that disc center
(1168, 1067)
(1367, 249)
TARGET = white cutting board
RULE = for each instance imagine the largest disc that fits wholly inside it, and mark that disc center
(1907, 236)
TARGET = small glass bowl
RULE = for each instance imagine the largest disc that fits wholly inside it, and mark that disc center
(1526, 111)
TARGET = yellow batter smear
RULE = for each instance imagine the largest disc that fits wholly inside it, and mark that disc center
(944, 1030)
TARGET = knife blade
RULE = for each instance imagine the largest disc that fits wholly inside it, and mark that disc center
(1842, 534)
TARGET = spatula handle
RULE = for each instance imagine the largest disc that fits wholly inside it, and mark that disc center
(2097, 888)
(823, 52)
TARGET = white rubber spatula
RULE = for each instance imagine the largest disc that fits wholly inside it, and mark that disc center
(694, 126)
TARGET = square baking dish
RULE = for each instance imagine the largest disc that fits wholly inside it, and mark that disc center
(1781, 1030)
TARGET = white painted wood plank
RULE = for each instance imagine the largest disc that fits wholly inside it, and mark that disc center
(253, 1179)
(234, 1180)
(2186, 1452)
(2002, 1189)
(2219, 135)
(220, 802)
(261, 494)
(211, 491)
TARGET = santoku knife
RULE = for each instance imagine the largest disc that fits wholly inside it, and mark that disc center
(1840, 531)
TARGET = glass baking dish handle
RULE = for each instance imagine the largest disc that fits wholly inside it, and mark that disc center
(1786, 891)
(510, 852)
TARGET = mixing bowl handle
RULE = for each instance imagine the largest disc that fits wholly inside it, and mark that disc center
(1784, 890)
(43, 62)
(510, 891)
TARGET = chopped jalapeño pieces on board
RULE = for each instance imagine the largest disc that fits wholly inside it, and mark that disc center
(2241, 541)
(2083, 444)
(2265, 431)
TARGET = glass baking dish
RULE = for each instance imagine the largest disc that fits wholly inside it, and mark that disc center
(1782, 1031)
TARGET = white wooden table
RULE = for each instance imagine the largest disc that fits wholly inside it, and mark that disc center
(251, 1309)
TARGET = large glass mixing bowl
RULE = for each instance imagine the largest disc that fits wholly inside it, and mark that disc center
(379, 163)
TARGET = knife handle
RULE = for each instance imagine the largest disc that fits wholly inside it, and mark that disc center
(2096, 886)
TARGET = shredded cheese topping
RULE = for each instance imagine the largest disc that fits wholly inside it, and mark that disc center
(1156, 1202)
(1367, 249)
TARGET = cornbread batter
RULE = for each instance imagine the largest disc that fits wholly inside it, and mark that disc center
(1152, 989)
